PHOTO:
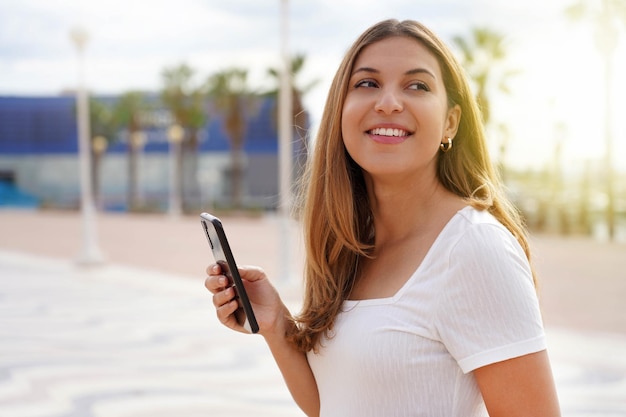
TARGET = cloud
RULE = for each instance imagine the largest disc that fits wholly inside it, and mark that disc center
(132, 41)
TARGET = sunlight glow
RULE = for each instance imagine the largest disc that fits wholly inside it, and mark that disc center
(558, 97)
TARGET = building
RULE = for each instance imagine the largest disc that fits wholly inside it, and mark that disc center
(39, 148)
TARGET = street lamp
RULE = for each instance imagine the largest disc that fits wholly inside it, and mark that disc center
(285, 114)
(175, 135)
(285, 138)
(100, 144)
(90, 252)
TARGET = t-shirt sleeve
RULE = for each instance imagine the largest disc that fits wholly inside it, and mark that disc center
(488, 309)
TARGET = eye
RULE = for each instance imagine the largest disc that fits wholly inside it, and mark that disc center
(418, 85)
(366, 84)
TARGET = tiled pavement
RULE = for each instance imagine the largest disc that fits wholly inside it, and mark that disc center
(120, 341)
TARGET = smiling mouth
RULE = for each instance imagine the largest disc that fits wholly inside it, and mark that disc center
(396, 133)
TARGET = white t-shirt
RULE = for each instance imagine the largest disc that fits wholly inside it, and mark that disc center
(470, 303)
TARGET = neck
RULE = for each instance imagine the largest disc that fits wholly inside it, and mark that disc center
(402, 209)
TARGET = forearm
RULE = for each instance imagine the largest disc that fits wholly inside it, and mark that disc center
(294, 366)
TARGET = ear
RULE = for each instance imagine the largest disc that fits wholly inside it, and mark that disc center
(453, 119)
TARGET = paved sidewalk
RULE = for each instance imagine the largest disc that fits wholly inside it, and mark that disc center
(582, 283)
(137, 336)
(121, 342)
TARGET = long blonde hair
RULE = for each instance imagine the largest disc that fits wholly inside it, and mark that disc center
(335, 208)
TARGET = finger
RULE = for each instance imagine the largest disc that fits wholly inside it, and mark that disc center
(216, 283)
(223, 297)
(225, 313)
(214, 269)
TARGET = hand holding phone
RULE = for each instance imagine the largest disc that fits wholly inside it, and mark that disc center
(223, 255)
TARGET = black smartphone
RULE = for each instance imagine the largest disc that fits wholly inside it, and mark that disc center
(214, 232)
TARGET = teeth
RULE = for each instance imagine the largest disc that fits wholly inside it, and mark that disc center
(380, 131)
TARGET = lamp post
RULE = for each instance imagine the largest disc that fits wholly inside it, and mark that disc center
(285, 113)
(175, 135)
(90, 251)
(285, 138)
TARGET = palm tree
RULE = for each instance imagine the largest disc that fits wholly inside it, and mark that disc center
(102, 136)
(298, 91)
(127, 114)
(186, 102)
(234, 99)
(300, 116)
(605, 16)
(481, 53)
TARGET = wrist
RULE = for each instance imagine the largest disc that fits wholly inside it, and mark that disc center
(282, 327)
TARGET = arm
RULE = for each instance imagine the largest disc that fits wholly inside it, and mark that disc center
(296, 371)
(273, 318)
(520, 386)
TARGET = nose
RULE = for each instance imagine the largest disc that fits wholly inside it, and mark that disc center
(389, 101)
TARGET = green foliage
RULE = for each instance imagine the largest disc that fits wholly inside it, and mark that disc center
(183, 97)
(481, 53)
(605, 16)
(232, 95)
(298, 62)
(298, 90)
(229, 94)
(127, 110)
(101, 120)
(610, 9)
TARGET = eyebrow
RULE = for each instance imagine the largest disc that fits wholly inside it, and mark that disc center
(409, 72)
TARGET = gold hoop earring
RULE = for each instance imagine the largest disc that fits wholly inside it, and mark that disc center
(445, 147)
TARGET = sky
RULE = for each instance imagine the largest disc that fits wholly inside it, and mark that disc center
(556, 99)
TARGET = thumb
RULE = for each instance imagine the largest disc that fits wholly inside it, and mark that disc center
(251, 273)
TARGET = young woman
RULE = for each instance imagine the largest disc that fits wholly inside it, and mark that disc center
(419, 294)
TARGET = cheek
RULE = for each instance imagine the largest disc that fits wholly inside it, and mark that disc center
(347, 127)
(350, 117)
(348, 135)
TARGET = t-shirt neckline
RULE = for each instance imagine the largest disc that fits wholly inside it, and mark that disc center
(348, 304)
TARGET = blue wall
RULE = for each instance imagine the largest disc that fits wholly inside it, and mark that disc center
(47, 125)
(35, 125)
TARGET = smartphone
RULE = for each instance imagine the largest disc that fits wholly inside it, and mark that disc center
(214, 232)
